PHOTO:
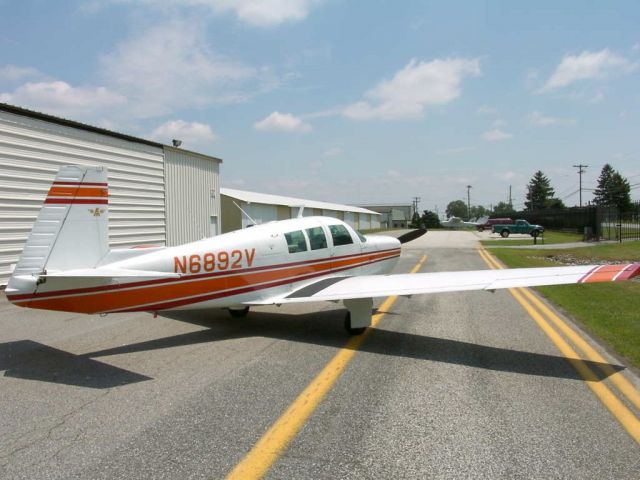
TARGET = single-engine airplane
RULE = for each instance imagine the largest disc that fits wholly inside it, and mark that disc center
(67, 264)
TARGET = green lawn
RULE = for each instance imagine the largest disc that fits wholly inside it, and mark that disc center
(549, 238)
(611, 311)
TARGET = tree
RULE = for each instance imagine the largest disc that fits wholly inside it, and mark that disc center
(554, 203)
(613, 189)
(457, 208)
(429, 219)
(416, 221)
(478, 211)
(503, 209)
(539, 192)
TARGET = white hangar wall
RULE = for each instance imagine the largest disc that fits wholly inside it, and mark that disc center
(192, 196)
(33, 146)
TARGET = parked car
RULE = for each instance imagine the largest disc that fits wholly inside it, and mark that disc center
(487, 224)
(521, 226)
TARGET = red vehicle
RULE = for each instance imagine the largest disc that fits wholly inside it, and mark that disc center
(493, 221)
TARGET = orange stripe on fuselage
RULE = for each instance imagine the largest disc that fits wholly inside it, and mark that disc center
(78, 192)
(606, 273)
(95, 302)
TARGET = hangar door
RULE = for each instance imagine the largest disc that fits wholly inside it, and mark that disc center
(193, 196)
(350, 218)
(32, 150)
(259, 212)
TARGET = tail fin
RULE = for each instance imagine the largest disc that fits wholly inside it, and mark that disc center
(72, 228)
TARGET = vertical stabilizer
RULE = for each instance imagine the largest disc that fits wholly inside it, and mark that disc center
(72, 227)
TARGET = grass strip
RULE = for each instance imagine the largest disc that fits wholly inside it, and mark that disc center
(610, 311)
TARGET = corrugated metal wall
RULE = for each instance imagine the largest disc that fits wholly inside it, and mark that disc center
(193, 196)
(31, 150)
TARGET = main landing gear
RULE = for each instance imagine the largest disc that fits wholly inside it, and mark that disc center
(358, 318)
(239, 312)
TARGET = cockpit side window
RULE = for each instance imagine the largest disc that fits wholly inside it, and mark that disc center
(296, 241)
(317, 238)
(340, 235)
(362, 238)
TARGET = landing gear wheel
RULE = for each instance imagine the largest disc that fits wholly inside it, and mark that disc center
(347, 326)
(239, 312)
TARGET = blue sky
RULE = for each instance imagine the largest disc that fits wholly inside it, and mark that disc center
(347, 101)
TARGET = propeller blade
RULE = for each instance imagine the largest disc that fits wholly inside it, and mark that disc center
(412, 235)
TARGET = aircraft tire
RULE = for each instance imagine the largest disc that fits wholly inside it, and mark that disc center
(347, 326)
(239, 312)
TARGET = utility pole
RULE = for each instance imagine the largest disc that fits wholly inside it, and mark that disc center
(469, 202)
(416, 202)
(580, 172)
(510, 199)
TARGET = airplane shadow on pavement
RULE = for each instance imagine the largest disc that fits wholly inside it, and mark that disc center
(34, 361)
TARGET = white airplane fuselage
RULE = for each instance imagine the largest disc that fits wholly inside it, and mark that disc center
(229, 270)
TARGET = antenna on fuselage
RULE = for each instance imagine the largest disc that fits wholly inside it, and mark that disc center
(245, 213)
(300, 210)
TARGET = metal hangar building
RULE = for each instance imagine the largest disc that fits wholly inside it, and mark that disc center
(262, 208)
(158, 194)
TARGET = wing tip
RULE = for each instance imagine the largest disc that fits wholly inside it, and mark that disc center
(630, 271)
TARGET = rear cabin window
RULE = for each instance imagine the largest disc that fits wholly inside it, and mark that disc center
(317, 238)
(340, 235)
(296, 241)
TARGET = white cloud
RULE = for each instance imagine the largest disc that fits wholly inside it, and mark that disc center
(282, 122)
(172, 66)
(191, 133)
(496, 135)
(540, 120)
(13, 73)
(586, 66)
(264, 13)
(260, 13)
(416, 86)
(60, 98)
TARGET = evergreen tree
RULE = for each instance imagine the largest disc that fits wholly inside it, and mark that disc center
(539, 192)
(416, 221)
(601, 195)
(613, 189)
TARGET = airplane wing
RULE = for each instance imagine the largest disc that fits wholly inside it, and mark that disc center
(373, 286)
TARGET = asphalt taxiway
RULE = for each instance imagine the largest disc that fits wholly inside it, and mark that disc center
(456, 385)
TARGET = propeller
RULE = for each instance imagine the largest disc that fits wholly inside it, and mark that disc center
(412, 235)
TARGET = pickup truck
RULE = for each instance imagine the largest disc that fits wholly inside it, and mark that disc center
(521, 226)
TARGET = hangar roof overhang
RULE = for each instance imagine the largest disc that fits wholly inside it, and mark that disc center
(5, 107)
(268, 199)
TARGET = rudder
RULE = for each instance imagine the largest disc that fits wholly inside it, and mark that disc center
(71, 230)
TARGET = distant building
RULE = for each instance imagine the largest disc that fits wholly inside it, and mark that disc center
(393, 216)
(262, 208)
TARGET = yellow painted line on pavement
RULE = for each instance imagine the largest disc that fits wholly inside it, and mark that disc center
(275, 440)
(618, 409)
(616, 377)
